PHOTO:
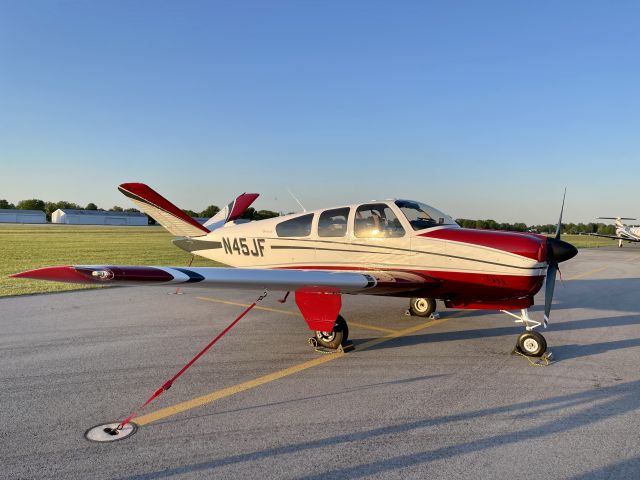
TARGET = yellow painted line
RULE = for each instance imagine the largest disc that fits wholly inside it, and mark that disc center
(241, 387)
(257, 307)
(373, 327)
(289, 312)
(586, 274)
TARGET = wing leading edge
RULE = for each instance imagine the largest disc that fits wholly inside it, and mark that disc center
(372, 282)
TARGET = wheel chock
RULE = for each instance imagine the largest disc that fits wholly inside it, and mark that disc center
(542, 361)
(346, 347)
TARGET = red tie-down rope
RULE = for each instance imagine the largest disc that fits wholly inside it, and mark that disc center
(167, 385)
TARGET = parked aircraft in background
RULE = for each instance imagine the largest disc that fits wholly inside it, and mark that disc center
(400, 248)
(624, 233)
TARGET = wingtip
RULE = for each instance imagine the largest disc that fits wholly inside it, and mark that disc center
(64, 273)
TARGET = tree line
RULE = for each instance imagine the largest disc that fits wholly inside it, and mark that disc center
(568, 228)
(49, 207)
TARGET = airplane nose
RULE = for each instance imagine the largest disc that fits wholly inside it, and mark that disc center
(559, 250)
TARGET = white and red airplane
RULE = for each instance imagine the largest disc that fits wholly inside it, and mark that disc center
(624, 233)
(397, 248)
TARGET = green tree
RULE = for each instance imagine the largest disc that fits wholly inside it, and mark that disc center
(116, 208)
(262, 214)
(210, 211)
(31, 204)
(91, 206)
(51, 207)
(5, 204)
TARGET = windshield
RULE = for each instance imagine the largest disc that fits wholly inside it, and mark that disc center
(422, 216)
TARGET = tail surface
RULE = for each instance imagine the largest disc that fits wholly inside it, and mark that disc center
(232, 211)
(162, 210)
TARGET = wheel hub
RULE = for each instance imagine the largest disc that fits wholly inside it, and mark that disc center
(530, 345)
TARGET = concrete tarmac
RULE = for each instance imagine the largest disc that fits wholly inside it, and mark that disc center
(416, 399)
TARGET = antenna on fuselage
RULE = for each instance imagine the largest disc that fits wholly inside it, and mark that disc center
(298, 201)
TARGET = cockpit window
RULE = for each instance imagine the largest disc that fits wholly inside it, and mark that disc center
(422, 216)
(296, 227)
(333, 223)
(377, 220)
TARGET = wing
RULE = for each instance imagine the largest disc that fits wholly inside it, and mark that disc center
(370, 282)
(626, 239)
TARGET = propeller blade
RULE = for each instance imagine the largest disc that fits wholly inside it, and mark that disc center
(548, 293)
(560, 219)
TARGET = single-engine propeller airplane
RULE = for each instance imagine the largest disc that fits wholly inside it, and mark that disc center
(397, 248)
(624, 233)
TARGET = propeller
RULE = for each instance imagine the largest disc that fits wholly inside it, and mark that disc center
(557, 251)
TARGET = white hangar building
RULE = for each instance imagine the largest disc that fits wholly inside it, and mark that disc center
(16, 215)
(72, 216)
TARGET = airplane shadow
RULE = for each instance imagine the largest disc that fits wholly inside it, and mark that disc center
(561, 352)
(572, 412)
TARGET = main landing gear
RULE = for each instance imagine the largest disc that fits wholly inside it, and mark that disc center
(333, 339)
(421, 307)
(530, 342)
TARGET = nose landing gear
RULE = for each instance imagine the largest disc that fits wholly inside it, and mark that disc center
(530, 342)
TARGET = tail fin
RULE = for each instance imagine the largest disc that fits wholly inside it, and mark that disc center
(231, 212)
(162, 210)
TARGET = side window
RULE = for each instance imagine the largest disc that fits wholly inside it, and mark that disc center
(333, 223)
(377, 220)
(296, 227)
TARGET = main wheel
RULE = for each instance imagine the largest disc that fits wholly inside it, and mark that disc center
(336, 337)
(532, 344)
(422, 307)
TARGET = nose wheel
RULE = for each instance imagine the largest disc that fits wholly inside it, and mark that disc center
(532, 344)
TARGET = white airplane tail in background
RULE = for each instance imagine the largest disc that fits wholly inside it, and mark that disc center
(175, 220)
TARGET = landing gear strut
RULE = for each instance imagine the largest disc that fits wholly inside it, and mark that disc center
(530, 342)
(333, 339)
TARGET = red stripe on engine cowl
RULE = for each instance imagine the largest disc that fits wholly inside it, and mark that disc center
(523, 244)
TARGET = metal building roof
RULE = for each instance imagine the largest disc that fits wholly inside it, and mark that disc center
(20, 210)
(100, 212)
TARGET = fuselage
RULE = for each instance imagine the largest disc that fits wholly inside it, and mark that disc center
(465, 267)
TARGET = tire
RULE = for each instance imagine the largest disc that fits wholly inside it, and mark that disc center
(422, 307)
(338, 336)
(532, 344)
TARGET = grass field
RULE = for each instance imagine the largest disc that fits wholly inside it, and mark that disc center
(24, 247)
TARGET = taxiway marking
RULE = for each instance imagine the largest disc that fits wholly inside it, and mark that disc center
(241, 387)
(590, 272)
(295, 314)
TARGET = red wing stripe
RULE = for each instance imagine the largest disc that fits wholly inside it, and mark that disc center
(145, 194)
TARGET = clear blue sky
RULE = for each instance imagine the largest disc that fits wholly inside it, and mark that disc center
(483, 109)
